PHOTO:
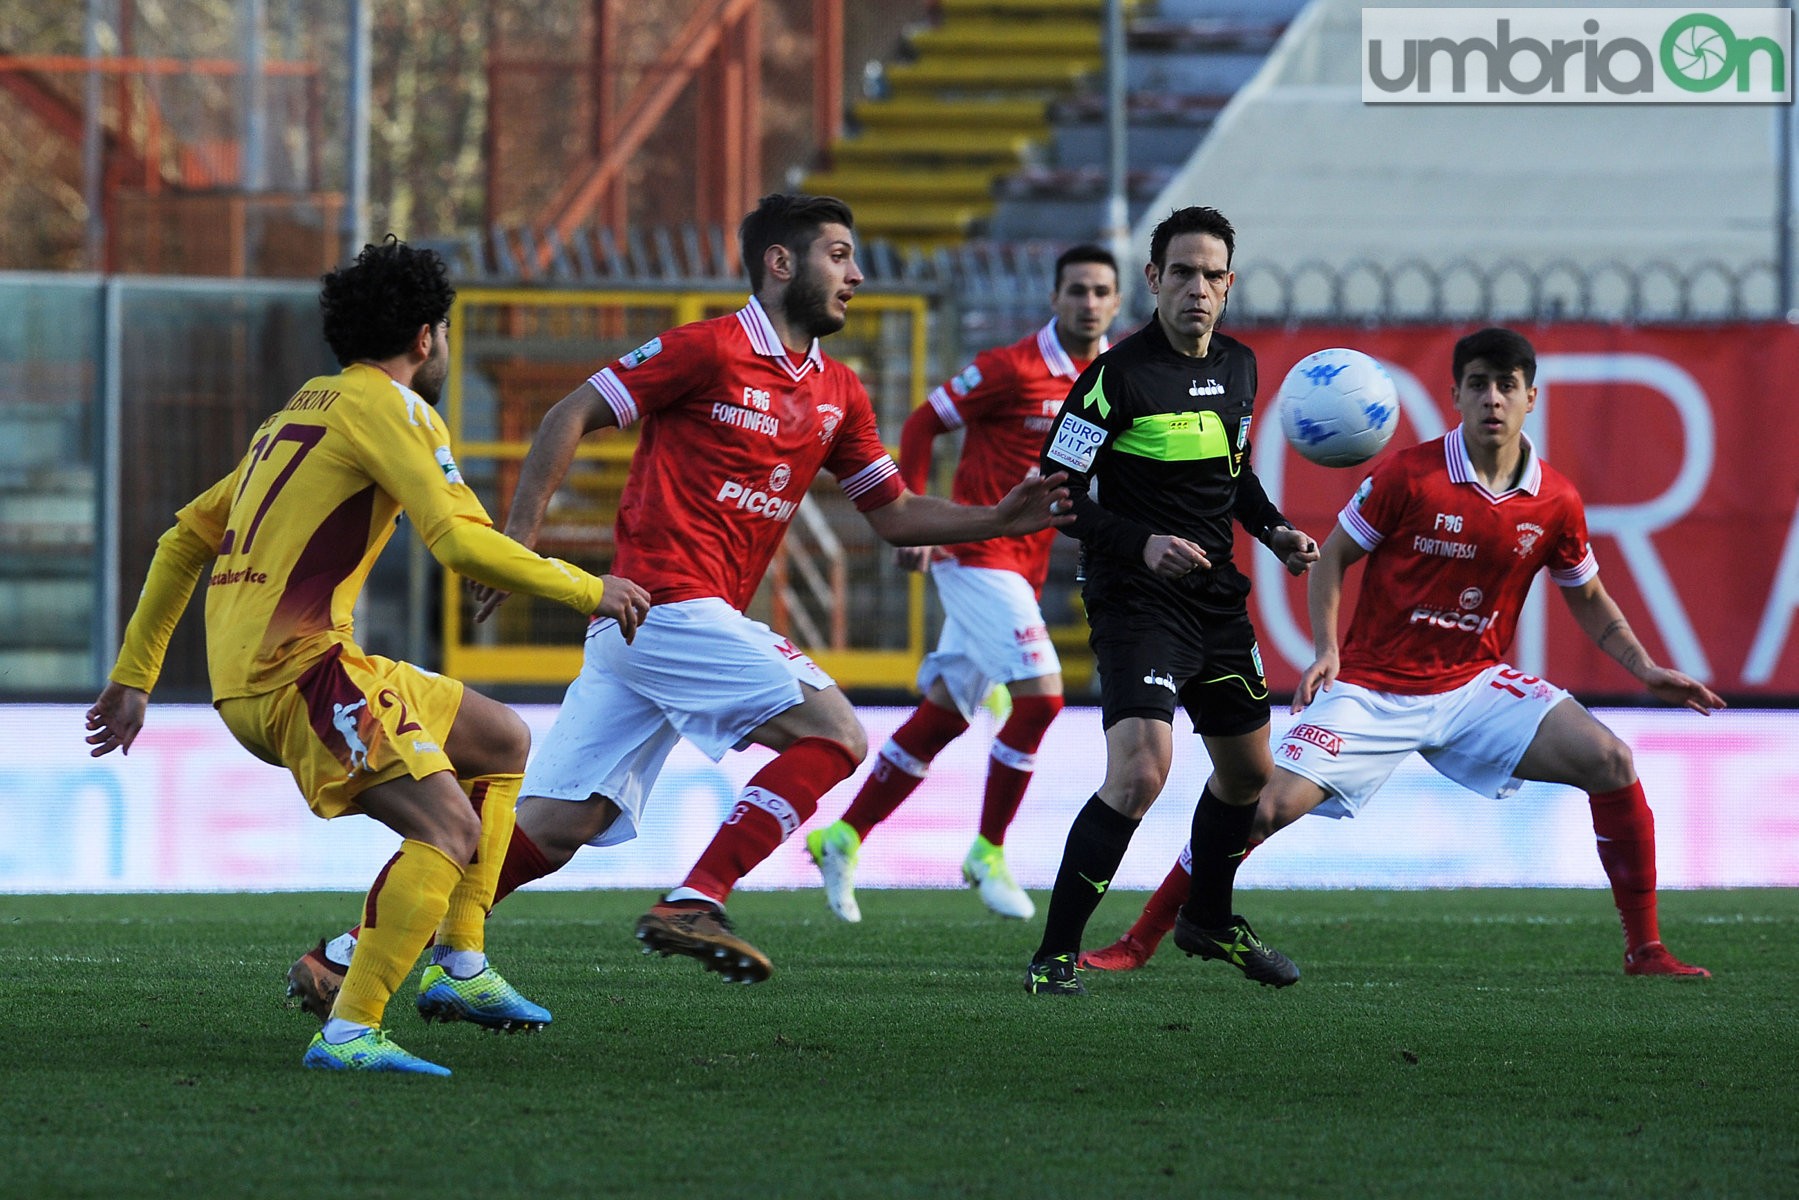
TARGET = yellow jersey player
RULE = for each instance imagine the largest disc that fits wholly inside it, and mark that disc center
(286, 541)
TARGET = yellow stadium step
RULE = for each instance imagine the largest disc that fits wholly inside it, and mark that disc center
(1033, 76)
(893, 146)
(1091, 10)
(902, 219)
(858, 184)
(1026, 116)
(990, 39)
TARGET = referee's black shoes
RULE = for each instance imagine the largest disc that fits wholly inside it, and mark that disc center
(1238, 945)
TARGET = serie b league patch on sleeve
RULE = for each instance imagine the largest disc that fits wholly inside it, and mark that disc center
(642, 354)
(1076, 443)
(447, 465)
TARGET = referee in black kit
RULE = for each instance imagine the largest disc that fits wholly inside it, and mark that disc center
(1160, 423)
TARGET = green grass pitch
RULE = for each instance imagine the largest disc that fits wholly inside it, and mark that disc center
(1455, 1043)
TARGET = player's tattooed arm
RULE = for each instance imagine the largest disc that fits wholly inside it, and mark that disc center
(1628, 652)
(1599, 616)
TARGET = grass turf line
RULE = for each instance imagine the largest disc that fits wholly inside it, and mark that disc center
(1441, 1043)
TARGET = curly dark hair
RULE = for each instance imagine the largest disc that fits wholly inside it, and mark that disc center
(374, 307)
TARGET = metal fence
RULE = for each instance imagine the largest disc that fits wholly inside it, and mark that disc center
(120, 398)
(998, 287)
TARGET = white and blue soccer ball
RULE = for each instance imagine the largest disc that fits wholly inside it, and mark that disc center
(1338, 407)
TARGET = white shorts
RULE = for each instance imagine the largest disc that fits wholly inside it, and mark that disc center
(993, 632)
(1349, 739)
(698, 669)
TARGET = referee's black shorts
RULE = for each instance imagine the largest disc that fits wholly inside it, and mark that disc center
(1152, 657)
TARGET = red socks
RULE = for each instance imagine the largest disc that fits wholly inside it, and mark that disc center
(1014, 758)
(902, 763)
(1158, 915)
(1626, 831)
(523, 863)
(780, 798)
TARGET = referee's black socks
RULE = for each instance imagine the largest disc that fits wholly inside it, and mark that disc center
(1220, 840)
(1096, 844)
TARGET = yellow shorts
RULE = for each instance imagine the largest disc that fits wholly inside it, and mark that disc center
(352, 721)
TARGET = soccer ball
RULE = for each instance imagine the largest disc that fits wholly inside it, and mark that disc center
(1338, 407)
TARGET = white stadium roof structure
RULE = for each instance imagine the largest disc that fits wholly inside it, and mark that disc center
(1390, 210)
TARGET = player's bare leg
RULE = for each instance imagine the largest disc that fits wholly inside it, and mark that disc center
(1572, 747)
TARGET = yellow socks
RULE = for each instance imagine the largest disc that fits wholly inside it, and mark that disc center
(407, 901)
(464, 926)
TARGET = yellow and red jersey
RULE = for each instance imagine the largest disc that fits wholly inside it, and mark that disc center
(298, 525)
(293, 532)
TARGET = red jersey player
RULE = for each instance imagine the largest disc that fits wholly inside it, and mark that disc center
(739, 414)
(993, 631)
(1454, 531)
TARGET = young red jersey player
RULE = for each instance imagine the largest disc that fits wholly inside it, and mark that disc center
(1454, 531)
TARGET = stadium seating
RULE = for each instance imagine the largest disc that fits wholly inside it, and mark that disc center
(997, 126)
(1314, 175)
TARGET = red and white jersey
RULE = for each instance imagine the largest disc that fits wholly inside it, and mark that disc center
(1450, 563)
(734, 432)
(1007, 398)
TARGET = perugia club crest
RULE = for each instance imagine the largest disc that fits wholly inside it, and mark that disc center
(1528, 534)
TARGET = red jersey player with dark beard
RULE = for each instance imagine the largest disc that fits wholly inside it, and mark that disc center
(993, 631)
(1454, 531)
(739, 414)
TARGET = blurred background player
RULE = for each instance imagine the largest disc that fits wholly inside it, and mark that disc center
(291, 535)
(739, 414)
(1454, 531)
(1160, 423)
(993, 630)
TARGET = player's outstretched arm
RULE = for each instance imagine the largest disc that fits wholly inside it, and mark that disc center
(1324, 605)
(1601, 619)
(552, 450)
(545, 467)
(180, 559)
(625, 603)
(485, 554)
(1038, 502)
